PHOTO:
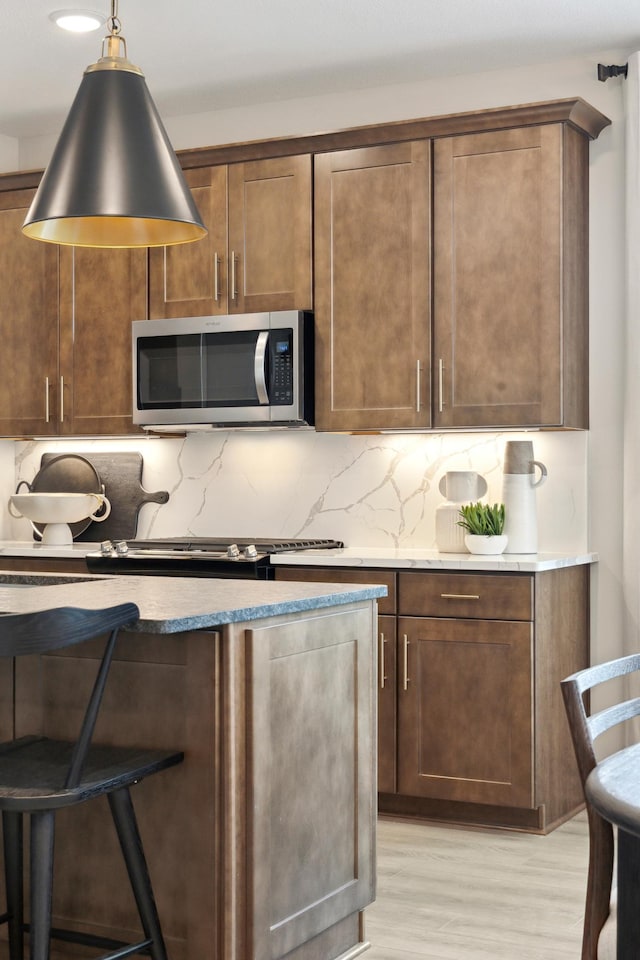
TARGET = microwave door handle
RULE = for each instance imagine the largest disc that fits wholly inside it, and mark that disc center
(259, 366)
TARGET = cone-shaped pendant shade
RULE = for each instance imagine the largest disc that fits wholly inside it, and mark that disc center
(113, 179)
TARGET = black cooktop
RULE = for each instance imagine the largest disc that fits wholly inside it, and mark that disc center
(198, 556)
(215, 544)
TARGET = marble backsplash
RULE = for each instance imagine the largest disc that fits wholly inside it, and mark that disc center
(372, 491)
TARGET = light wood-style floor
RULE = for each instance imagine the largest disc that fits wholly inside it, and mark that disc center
(465, 894)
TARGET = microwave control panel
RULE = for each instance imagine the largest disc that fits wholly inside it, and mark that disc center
(280, 355)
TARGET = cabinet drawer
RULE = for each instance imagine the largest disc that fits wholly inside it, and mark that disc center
(478, 596)
(385, 578)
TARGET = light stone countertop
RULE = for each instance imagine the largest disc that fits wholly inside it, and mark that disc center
(35, 550)
(416, 559)
(176, 604)
(404, 558)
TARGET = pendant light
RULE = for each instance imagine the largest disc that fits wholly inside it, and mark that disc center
(113, 179)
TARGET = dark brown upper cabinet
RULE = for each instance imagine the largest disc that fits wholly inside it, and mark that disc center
(257, 255)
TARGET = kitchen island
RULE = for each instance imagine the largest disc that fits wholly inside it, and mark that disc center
(262, 844)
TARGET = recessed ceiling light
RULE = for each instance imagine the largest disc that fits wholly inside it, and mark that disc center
(78, 21)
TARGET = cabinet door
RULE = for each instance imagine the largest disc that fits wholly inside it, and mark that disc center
(101, 292)
(498, 278)
(465, 726)
(387, 704)
(190, 279)
(270, 235)
(28, 324)
(372, 287)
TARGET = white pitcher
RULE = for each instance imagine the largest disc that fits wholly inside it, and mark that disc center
(519, 485)
(458, 486)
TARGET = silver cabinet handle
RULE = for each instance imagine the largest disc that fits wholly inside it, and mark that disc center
(440, 385)
(460, 596)
(46, 400)
(61, 399)
(381, 657)
(234, 288)
(216, 277)
(405, 660)
(417, 386)
(259, 366)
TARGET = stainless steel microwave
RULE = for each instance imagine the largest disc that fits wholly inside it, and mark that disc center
(199, 373)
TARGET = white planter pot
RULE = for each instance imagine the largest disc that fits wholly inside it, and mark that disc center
(485, 545)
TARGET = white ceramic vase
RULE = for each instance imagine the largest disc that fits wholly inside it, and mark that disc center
(458, 486)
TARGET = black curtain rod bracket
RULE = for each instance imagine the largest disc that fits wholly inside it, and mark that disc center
(605, 72)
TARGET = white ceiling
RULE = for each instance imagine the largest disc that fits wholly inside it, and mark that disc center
(200, 55)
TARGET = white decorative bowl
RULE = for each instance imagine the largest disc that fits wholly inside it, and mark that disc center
(57, 511)
(489, 546)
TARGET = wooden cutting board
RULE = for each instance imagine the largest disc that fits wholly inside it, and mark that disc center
(121, 474)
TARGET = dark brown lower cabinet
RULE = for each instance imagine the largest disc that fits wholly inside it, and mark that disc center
(473, 729)
(387, 704)
(465, 719)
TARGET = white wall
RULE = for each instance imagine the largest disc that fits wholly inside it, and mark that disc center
(596, 455)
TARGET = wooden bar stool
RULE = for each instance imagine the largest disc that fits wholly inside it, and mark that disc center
(603, 900)
(39, 775)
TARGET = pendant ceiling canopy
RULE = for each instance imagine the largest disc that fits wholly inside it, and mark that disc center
(114, 179)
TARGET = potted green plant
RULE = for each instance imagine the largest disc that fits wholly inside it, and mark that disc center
(484, 525)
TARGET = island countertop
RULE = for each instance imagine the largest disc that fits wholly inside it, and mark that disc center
(176, 604)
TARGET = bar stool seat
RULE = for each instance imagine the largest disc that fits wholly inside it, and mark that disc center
(33, 771)
(39, 775)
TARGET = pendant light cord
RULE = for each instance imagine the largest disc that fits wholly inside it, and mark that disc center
(114, 23)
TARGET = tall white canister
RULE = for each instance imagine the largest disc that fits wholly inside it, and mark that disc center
(519, 484)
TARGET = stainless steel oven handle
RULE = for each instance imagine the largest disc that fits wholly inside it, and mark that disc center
(259, 366)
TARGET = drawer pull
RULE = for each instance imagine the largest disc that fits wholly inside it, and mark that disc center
(405, 671)
(383, 676)
(460, 596)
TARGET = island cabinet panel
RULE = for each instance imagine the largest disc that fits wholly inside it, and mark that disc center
(387, 657)
(510, 278)
(101, 292)
(28, 324)
(257, 254)
(372, 287)
(311, 687)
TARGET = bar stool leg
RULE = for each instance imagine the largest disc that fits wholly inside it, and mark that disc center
(12, 839)
(41, 863)
(131, 843)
